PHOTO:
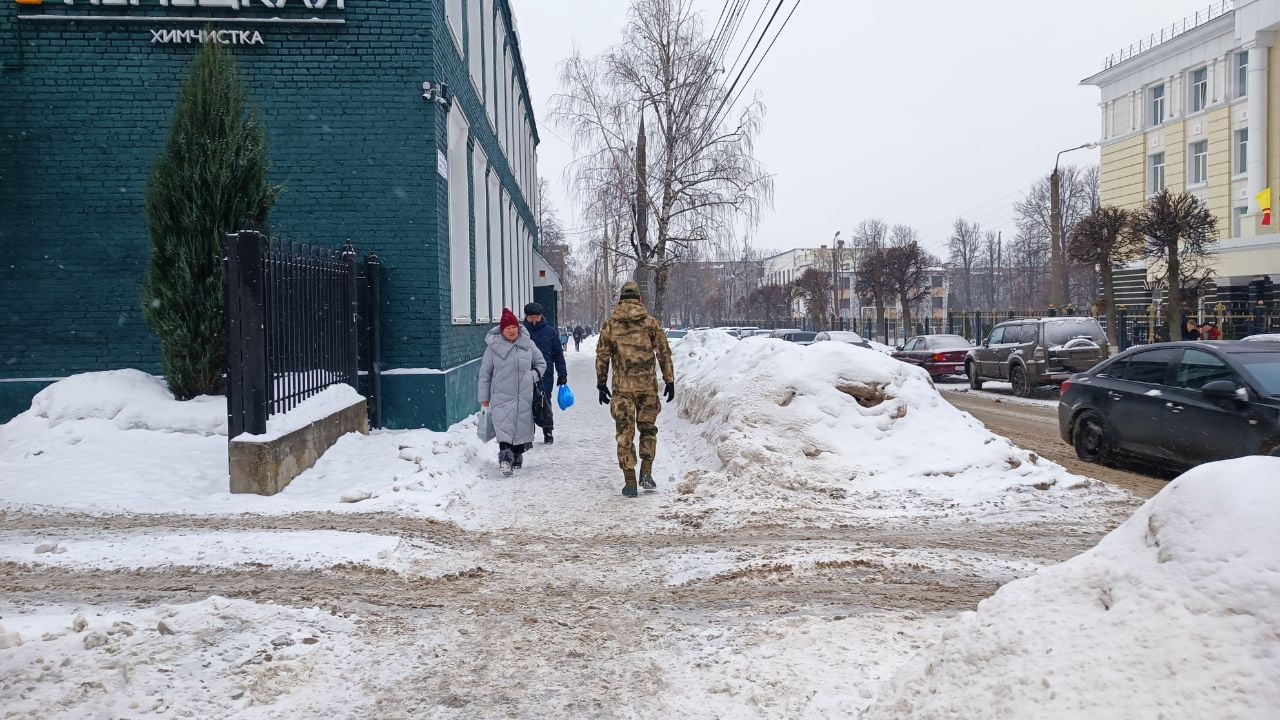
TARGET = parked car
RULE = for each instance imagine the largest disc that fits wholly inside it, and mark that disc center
(844, 336)
(675, 336)
(940, 355)
(1035, 352)
(743, 332)
(800, 337)
(755, 334)
(1265, 337)
(1178, 404)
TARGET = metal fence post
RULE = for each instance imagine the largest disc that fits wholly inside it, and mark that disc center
(351, 326)
(1122, 328)
(247, 354)
(372, 272)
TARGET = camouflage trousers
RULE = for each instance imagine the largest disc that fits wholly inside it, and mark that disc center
(632, 410)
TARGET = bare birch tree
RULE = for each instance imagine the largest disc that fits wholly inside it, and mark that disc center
(651, 120)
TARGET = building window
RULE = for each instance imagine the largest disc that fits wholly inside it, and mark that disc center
(1200, 162)
(1241, 154)
(1155, 173)
(1237, 219)
(1242, 74)
(1156, 103)
(1199, 89)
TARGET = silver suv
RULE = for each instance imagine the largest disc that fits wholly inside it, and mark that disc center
(1030, 353)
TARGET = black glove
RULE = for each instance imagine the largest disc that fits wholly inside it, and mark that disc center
(605, 396)
(562, 380)
(670, 391)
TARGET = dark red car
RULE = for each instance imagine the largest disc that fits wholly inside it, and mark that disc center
(940, 355)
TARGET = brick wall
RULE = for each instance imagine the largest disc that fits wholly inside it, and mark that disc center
(87, 110)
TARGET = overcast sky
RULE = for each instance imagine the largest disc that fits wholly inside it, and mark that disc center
(914, 112)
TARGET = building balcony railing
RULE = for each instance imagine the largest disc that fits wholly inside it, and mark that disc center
(1188, 23)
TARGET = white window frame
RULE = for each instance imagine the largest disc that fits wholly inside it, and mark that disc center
(1157, 105)
(1155, 172)
(1237, 220)
(1240, 153)
(496, 269)
(453, 20)
(459, 221)
(1198, 98)
(475, 43)
(1199, 163)
(1242, 74)
(479, 187)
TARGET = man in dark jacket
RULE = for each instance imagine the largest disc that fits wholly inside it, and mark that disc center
(579, 333)
(548, 341)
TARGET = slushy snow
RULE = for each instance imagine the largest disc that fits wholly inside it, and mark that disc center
(1173, 615)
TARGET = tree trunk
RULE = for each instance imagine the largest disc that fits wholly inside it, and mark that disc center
(1174, 312)
(876, 331)
(906, 314)
(1108, 300)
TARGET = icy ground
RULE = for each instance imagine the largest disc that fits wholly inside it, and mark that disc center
(801, 547)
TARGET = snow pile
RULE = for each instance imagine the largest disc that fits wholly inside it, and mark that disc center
(796, 427)
(315, 408)
(118, 441)
(215, 658)
(1174, 614)
(122, 399)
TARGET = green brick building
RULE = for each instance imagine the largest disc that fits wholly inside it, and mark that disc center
(402, 125)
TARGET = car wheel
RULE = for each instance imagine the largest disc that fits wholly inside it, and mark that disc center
(1091, 438)
(971, 369)
(1018, 378)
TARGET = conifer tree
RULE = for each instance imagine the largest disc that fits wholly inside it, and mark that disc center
(210, 179)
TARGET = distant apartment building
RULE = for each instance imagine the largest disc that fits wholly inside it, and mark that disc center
(1189, 109)
(786, 267)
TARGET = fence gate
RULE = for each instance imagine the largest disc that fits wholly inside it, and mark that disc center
(292, 317)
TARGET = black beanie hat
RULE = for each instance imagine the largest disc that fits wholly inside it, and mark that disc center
(533, 309)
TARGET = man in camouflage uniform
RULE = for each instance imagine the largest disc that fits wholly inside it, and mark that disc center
(630, 340)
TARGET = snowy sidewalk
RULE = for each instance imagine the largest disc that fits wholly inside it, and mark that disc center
(572, 487)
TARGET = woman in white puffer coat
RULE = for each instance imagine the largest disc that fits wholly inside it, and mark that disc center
(510, 370)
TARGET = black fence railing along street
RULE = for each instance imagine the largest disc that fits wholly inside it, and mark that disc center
(292, 313)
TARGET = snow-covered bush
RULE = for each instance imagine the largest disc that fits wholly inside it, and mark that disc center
(1174, 615)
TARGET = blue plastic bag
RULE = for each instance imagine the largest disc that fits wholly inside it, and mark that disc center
(565, 397)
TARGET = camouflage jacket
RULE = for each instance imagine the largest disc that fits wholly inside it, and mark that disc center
(630, 340)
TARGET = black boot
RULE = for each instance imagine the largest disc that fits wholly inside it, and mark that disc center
(506, 461)
(629, 483)
(646, 474)
(519, 461)
(546, 436)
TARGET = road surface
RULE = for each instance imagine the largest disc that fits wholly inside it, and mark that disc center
(1035, 427)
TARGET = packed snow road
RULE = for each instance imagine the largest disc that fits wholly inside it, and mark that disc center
(1034, 425)
(781, 570)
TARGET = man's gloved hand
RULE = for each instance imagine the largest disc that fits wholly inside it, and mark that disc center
(670, 391)
(605, 396)
(562, 380)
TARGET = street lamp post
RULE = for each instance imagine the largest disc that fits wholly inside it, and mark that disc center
(836, 246)
(1058, 290)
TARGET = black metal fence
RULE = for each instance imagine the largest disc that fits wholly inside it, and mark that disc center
(293, 313)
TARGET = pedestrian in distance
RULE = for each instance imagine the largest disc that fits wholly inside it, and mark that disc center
(632, 343)
(579, 333)
(548, 341)
(511, 368)
(1211, 331)
(1190, 331)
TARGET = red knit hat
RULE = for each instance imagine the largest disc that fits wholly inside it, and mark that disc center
(508, 318)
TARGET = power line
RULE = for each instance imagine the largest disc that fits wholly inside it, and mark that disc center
(766, 53)
(715, 116)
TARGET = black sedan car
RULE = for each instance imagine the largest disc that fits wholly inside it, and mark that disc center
(1177, 404)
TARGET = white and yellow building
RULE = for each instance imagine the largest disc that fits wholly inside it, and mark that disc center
(1196, 108)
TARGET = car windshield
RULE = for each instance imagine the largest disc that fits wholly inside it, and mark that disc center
(1061, 332)
(676, 334)
(803, 337)
(1264, 367)
(946, 342)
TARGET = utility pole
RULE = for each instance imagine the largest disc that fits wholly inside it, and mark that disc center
(1057, 271)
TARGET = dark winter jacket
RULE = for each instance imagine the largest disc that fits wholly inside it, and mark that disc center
(579, 333)
(548, 341)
